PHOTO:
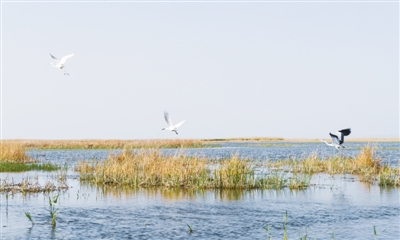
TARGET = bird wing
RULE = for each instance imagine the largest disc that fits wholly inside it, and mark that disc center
(64, 59)
(335, 138)
(345, 132)
(342, 133)
(53, 57)
(167, 119)
(177, 125)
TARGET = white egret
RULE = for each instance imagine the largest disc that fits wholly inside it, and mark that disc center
(338, 139)
(60, 64)
(171, 126)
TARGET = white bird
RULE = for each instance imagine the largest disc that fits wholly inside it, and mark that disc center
(60, 64)
(338, 139)
(171, 126)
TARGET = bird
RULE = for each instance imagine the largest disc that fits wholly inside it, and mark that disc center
(60, 64)
(171, 126)
(338, 139)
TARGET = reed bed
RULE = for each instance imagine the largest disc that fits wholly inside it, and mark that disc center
(149, 168)
(109, 144)
(254, 139)
(13, 152)
(14, 159)
(366, 165)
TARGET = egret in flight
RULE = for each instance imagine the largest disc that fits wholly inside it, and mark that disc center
(171, 126)
(60, 64)
(338, 139)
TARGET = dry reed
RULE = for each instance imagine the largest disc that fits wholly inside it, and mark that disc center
(13, 152)
(30, 185)
(149, 168)
(366, 165)
(108, 144)
(252, 139)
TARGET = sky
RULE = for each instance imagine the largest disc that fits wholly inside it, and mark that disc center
(231, 69)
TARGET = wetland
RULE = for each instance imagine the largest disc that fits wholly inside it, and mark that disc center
(226, 203)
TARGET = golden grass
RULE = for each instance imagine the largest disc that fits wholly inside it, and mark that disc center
(13, 152)
(250, 139)
(145, 168)
(366, 165)
(149, 168)
(295, 140)
(108, 144)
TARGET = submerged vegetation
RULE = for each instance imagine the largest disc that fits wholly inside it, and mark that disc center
(28, 215)
(300, 235)
(109, 144)
(149, 168)
(53, 209)
(31, 185)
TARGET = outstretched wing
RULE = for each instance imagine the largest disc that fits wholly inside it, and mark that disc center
(177, 125)
(53, 57)
(167, 119)
(64, 59)
(335, 138)
(342, 133)
(345, 132)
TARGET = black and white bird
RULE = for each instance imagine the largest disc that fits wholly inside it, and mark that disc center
(338, 138)
(60, 64)
(171, 126)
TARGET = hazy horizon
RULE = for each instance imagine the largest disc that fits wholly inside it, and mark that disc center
(232, 70)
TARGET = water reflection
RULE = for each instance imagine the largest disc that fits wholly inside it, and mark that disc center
(155, 213)
(166, 194)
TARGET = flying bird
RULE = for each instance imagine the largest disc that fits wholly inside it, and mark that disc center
(171, 126)
(60, 64)
(338, 139)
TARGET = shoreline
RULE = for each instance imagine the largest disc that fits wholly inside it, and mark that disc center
(244, 139)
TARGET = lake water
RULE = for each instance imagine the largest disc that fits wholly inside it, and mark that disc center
(339, 205)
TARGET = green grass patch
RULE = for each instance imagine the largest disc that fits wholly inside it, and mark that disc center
(21, 167)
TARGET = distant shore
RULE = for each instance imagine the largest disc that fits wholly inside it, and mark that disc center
(242, 139)
(347, 140)
(279, 139)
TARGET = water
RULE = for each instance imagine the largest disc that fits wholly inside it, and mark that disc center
(388, 152)
(341, 204)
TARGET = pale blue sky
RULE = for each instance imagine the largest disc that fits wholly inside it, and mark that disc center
(292, 70)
